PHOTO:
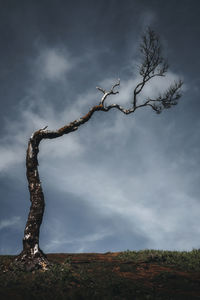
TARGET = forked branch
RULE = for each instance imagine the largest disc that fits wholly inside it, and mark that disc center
(111, 92)
(153, 64)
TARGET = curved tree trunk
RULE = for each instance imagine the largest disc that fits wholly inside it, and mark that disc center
(31, 255)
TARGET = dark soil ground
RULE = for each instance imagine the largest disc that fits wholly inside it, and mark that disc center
(124, 275)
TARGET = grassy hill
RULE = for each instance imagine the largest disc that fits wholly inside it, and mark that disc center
(133, 275)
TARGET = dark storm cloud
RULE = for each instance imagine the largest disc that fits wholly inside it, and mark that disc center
(119, 182)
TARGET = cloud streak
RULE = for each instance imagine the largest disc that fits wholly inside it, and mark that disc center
(52, 64)
(12, 222)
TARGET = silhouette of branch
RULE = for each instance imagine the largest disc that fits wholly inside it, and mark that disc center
(153, 64)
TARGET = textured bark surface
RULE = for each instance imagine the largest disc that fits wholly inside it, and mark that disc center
(32, 256)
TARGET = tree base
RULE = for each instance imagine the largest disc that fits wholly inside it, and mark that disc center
(29, 262)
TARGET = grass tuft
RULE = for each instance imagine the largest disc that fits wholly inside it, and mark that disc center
(183, 260)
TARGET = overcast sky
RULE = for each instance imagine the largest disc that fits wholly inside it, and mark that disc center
(119, 182)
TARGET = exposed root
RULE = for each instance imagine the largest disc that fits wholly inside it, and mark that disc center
(30, 262)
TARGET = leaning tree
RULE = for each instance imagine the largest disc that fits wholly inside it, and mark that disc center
(152, 65)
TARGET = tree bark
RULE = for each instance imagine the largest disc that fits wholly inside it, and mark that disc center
(32, 256)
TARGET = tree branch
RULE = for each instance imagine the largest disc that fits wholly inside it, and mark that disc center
(153, 64)
(111, 92)
(168, 99)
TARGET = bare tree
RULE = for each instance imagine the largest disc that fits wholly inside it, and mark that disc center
(152, 65)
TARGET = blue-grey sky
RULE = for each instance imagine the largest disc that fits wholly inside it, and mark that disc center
(119, 182)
